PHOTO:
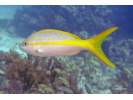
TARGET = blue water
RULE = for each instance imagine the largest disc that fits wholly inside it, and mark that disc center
(7, 11)
(85, 22)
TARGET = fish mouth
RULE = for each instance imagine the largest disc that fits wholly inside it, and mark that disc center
(21, 48)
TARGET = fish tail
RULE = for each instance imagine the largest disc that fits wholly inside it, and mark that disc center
(95, 46)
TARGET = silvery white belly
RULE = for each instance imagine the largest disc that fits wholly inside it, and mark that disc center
(55, 50)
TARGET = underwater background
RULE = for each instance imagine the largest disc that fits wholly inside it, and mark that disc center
(77, 74)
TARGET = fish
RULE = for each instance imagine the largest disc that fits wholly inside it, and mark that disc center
(95, 62)
(51, 42)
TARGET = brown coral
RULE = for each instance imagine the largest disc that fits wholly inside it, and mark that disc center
(25, 75)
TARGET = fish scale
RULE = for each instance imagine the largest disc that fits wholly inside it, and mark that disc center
(49, 36)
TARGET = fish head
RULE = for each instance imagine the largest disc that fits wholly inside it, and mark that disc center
(26, 47)
(49, 42)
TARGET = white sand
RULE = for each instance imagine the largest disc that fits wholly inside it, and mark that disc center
(9, 41)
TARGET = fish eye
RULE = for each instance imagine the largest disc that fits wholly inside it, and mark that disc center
(25, 43)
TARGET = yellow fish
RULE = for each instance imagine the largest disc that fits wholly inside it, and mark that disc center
(50, 42)
(95, 62)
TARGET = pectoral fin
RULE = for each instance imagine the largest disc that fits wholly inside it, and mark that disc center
(38, 51)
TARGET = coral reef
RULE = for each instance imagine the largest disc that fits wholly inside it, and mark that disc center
(73, 74)
(36, 75)
(64, 17)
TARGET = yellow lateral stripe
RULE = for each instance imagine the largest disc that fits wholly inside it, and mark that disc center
(80, 43)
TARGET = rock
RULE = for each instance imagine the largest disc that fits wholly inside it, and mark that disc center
(86, 69)
(97, 91)
(101, 86)
(95, 80)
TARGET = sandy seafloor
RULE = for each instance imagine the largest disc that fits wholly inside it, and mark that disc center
(9, 41)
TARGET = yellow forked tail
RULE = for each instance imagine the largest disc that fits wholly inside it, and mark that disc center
(95, 46)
